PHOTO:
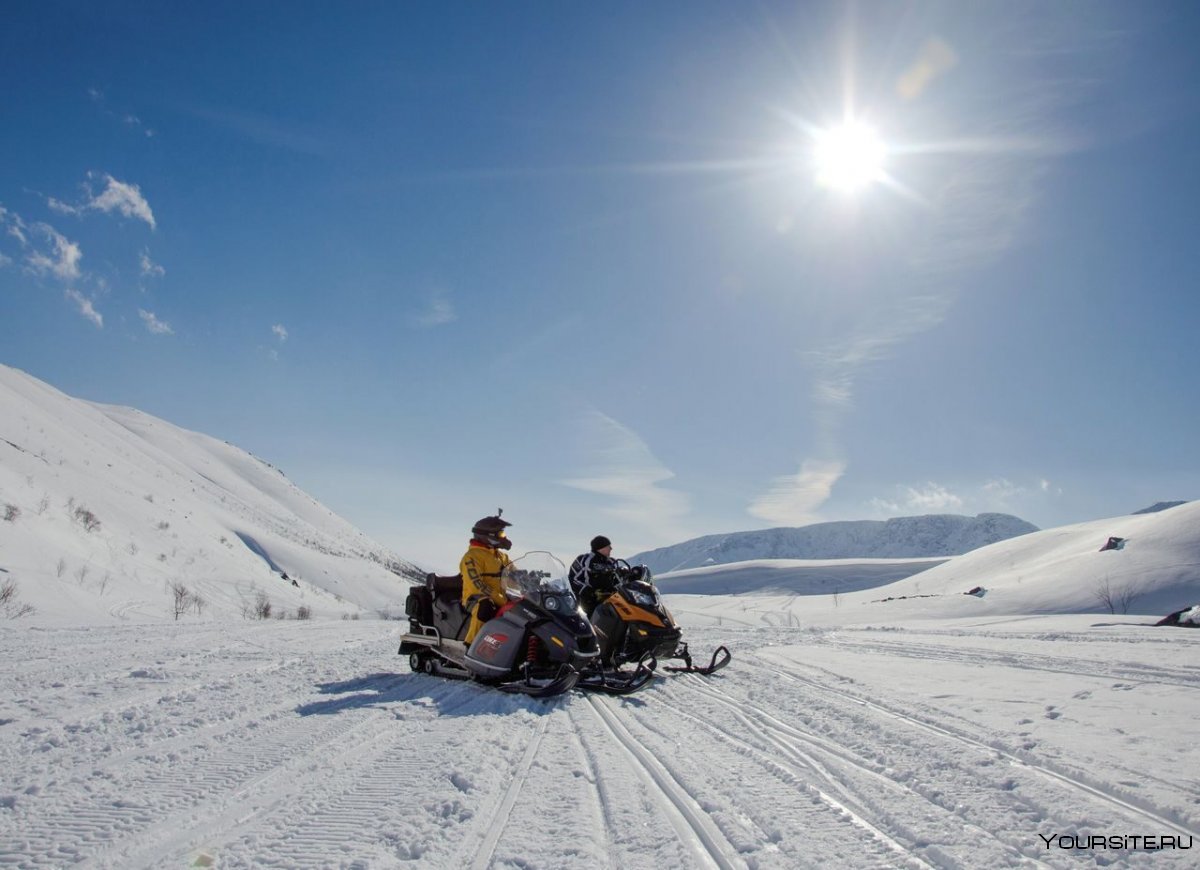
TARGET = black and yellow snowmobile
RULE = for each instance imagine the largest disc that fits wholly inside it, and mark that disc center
(633, 625)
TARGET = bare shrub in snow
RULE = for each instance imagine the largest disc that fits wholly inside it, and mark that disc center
(43, 505)
(303, 612)
(181, 599)
(11, 513)
(262, 606)
(1114, 598)
(86, 518)
(9, 602)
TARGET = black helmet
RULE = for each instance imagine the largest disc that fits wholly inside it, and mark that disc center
(490, 531)
(599, 543)
(639, 574)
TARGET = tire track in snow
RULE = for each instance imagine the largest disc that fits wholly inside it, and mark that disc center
(368, 800)
(1020, 761)
(1182, 678)
(130, 732)
(498, 822)
(695, 829)
(122, 809)
(779, 750)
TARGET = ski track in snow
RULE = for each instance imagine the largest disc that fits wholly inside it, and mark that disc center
(311, 745)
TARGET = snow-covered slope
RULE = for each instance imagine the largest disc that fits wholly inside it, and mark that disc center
(104, 508)
(898, 538)
(1062, 570)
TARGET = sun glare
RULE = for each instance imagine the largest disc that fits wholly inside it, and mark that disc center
(849, 157)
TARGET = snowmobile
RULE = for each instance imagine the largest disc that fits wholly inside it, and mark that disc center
(538, 643)
(632, 623)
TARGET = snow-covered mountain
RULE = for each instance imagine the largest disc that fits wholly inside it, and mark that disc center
(1062, 570)
(923, 537)
(1160, 506)
(103, 510)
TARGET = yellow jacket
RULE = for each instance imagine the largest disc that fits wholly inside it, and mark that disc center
(480, 568)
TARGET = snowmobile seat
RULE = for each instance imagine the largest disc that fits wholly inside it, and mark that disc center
(445, 585)
(448, 615)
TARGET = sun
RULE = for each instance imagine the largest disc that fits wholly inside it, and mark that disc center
(848, 158)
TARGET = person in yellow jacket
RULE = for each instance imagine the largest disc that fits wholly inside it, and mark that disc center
(480, 568)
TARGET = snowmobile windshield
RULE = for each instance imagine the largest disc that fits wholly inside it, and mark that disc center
(540, 576)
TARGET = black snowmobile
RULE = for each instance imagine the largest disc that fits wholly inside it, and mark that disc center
(539, 643)
(632, 623)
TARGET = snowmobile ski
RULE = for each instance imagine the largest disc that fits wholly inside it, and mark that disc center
(720, 658)
(618, 682)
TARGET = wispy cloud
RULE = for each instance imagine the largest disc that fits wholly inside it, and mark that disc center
(622, 468)
(264, 129)
(60, 259)
(153, 324)
(119, 196)
(280, 332)
(150, 269)
(129, 119)
(438, 311)
(86, 308)
(122, 197)
(793, 500)
(996, 494)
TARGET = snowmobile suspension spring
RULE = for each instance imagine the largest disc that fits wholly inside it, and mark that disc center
(531, 650)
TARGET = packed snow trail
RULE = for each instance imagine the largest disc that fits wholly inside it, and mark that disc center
(309, 744)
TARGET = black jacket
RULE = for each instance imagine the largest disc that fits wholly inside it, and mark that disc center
(593, 572)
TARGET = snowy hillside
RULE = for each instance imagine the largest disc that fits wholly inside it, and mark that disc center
(104, 508)
(898, 538)
(1155, 571)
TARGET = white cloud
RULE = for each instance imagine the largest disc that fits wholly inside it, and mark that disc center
(933, 497)
(86, 308)
(4, 261)
(153, 324)
(793, 499)
(150, 269)
(280, 331)
(124, 198)
(439, 311)
(62, 260)
(929, 498)
(61, 207)
(16, 226)
(622, 467)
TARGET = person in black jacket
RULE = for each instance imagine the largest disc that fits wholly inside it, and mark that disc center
(594, 574)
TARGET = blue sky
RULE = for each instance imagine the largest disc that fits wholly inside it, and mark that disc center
(576, 260)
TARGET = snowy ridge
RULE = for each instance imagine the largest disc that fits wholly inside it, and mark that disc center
(108, 506)
(898, 538)
(1062, 570)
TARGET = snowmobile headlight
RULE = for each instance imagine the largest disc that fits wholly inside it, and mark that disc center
(552, 602)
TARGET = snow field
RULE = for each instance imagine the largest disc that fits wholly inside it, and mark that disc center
(300, 744)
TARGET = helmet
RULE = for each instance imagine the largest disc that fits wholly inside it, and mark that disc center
(638, 574)
(490, 531)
